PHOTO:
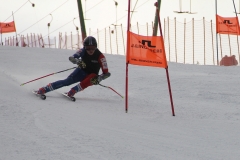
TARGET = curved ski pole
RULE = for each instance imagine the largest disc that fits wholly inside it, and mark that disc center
(47, 76)
(111, 89)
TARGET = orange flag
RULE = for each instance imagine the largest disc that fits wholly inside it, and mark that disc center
(227, 25)
(146, 51)
(7, 27)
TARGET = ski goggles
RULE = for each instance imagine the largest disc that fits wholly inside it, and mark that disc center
(90, 48)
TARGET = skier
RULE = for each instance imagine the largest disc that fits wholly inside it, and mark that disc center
(89, 60)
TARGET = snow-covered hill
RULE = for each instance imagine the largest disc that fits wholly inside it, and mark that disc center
(206, 101)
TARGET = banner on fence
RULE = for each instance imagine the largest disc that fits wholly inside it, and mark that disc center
(227, 25)
(146, 51)
(7, 27)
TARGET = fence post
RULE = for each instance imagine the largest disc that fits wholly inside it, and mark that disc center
(35, 41)
(105, 40)
(62, 42)
(212, 43)
(123, 39)
(48, 41)
(59, 40)
(42, 41)
(147, 29)
(39, 44)
(31, 40)
(238, 50)
(164, 30)
(71, 41)
(116, 38)
(13, 41)
(193, 39)
(110, 39)
(175, 32)
(16, 41)
(78, 42)
(20, 41)
(204, 40)
(27, 41)
(169, 41)
(220, 38)
(55, 41)
(98, 37)
(66, 40)
(137, 27)
(184, 41)
(229, 42)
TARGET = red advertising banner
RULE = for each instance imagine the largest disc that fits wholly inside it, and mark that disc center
(227, 25)
(7, 27)
(146, 51)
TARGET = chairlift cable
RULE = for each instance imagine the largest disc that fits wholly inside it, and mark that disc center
(15, 11)
(44, 17)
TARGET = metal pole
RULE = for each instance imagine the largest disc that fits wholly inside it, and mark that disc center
(190, 6)
(111, 89)
(237, 23)
(127, 54)
(82, 23)
(156, 19)
(167, 74)
(47, 75)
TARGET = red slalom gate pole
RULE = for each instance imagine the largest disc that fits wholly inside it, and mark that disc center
(47, 76)
(111, 89)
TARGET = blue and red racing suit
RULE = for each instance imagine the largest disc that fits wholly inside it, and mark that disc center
(83, 75)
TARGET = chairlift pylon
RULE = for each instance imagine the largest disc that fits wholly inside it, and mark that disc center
(180, 8)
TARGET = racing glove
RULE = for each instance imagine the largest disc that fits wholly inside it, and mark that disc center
(79, 62)
(97, 79)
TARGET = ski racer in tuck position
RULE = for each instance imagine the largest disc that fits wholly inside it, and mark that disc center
(89, 60)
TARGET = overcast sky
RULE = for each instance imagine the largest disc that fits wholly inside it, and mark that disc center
(100, 13)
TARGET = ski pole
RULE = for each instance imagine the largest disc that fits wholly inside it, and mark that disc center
(111, 89)
(47, 76)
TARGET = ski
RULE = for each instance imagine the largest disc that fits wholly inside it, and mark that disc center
(71, 98)
(42, 96)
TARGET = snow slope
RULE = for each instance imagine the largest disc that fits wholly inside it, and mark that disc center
(206, 101)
